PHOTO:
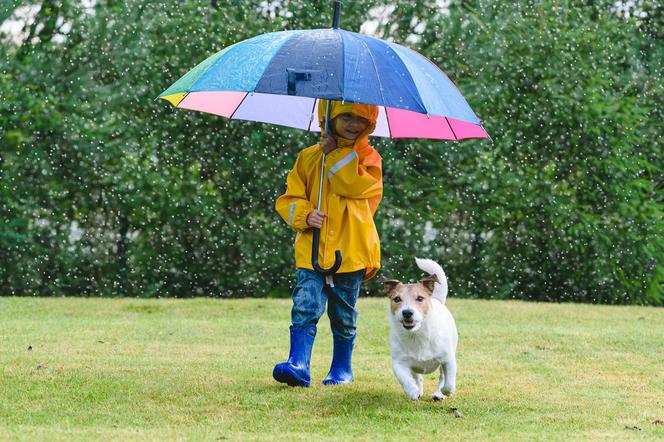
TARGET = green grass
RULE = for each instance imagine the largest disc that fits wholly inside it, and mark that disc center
(201, 369)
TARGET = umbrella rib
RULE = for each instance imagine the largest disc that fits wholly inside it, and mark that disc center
(238, 106)
(311, 118)
(450, 125)
(343, 66)
(181, 100)
(380, 84)
(387, 118)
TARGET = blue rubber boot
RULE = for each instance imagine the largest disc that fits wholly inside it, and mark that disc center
(295, 371)
(341, 371)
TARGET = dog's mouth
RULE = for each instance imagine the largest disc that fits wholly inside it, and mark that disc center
(408, 324)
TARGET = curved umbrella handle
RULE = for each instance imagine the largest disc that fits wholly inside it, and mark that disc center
(314, 257)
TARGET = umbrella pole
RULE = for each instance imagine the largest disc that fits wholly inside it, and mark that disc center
(316, 233)
(322, 163)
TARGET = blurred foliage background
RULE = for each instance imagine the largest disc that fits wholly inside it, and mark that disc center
(105, 191)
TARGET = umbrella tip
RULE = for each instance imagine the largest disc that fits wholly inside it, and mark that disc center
(337, 14)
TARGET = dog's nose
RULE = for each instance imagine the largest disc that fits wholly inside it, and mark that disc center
(407, 314)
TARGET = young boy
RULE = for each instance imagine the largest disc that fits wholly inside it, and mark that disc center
(352, 190)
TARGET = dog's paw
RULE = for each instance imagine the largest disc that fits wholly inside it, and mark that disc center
(448, 390)
(438, 396)
(413, 395)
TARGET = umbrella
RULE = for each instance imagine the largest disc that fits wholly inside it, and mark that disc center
(280, 78)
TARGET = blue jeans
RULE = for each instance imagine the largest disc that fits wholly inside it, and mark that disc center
(311, 293)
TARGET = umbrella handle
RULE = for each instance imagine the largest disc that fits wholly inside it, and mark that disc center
(314, 257)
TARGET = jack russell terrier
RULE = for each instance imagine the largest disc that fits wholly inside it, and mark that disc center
(423, 334)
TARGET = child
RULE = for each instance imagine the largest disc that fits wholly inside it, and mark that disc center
(352, 190)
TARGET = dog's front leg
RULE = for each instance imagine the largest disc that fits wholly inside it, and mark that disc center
(450, 369)
(438, 395)
(419, 379)
(405, 377)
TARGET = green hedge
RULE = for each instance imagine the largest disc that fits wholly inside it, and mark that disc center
(563, 204)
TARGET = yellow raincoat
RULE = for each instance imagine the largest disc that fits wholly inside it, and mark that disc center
(352, 190)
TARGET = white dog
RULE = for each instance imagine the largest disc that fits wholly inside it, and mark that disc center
(423, 335)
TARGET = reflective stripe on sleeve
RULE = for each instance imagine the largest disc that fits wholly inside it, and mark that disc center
(342, 162)
(291, 212)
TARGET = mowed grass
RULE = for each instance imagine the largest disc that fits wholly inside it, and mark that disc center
(109, 369)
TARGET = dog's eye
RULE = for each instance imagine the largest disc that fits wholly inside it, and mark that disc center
(397, 299)
(419, 298)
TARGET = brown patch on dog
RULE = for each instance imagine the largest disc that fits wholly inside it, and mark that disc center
(416, 295)
(388, 284)
(419, 291)
(429, 282)
(400, 293)
(392, 288)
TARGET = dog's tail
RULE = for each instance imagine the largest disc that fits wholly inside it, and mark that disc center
(432, 268)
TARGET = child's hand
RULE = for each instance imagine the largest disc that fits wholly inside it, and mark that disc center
(315, 219)
(327, 143)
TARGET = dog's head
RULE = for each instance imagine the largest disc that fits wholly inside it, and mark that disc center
(409, 303)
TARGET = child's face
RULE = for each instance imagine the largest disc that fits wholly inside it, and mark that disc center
(350, 126)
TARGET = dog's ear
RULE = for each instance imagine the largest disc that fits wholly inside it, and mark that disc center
(429, 282)
(388, 284)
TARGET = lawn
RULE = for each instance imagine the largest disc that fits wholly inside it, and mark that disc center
(109, 369)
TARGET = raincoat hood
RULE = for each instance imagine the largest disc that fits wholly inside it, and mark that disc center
(366, 111)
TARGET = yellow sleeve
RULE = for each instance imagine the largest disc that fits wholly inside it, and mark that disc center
(293, 206)
(356, 177)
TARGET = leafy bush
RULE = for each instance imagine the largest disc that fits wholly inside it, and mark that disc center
(105, 191)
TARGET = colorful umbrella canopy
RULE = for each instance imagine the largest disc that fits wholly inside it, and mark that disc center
(280, 77)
